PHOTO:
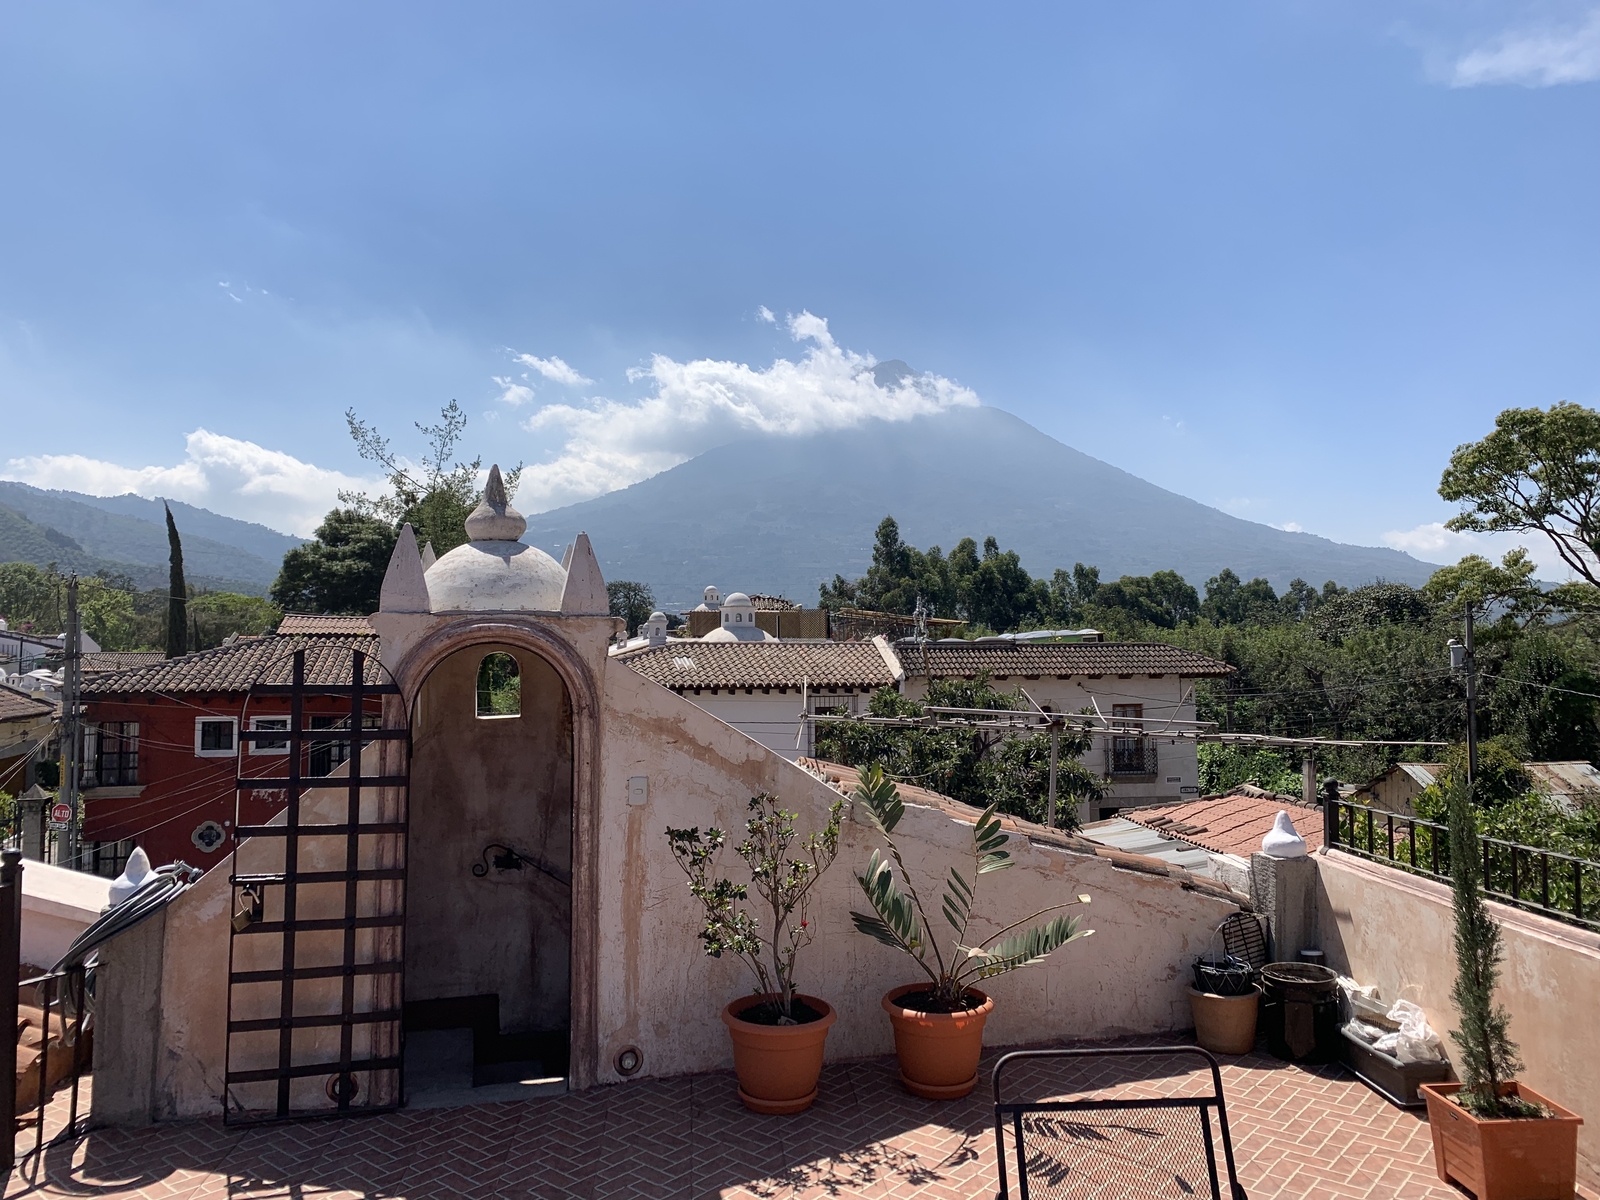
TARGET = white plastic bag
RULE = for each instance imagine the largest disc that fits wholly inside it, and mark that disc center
(1415, 1041)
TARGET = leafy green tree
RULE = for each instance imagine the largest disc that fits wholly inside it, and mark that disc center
(1537, 472)
(436, 494)
(1544, 701)
(341, 571)
(177, 593)
(216, 616)
(1230, 602)
(1225, 766)
(633, 602)
(1162, 599)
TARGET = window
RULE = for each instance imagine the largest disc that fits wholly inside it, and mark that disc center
(116, 759)
(1129, 752)
(214, 736)
(327, 757)
(499, 687)
(269, 745)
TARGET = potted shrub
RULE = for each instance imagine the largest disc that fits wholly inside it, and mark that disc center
(1495, 1136)
(938, 1022)
(778, 1032)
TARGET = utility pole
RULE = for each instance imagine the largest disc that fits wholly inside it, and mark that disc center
(1055, 741)
(71, 727)
(1463, 659)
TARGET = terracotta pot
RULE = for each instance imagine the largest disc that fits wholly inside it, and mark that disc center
(1225, 1024)
(1504, 1159)
(938, 1052)
(777, 1065)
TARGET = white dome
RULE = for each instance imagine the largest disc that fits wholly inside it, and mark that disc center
(739, 633)
(496, 576)
(737, 600)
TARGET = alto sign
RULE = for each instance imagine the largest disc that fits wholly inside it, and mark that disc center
(61, 813)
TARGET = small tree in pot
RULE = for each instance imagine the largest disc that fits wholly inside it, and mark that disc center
(1497, 1137)
(939, 1024)
(778, 1033)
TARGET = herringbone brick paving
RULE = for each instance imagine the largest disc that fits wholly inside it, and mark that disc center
(1299, 1134)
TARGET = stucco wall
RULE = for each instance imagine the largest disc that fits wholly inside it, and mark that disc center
(660, 993)
(477, 781)
(1396, 930)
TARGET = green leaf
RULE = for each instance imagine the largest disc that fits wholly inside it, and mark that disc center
(892, 906)
(1025, 949)
(957, 901)
(882, 799)
(873, 927)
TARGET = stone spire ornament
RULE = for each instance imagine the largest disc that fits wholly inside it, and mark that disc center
(495, 520)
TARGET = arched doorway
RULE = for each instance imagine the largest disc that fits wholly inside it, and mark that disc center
(489, 903)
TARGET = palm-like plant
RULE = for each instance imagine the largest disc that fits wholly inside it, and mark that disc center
(899, 919)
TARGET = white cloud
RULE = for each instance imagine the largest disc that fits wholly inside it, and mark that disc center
(512, 392)
(553, 369)
(765, 314)
(1535, 57)
(1291, 527)
(227, 475)
(1432, 542)
(697, 405)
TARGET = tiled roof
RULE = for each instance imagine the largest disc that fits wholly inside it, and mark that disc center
(17, 705)
(686, 663)
(318, 625)
(235, 668)
(967, 658)
(120, 660)
(844, 779)
(1230, 824)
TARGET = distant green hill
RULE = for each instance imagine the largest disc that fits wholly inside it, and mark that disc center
(22, 540)
(128, 533)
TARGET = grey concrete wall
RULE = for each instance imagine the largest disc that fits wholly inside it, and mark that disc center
(1396, 930)
(1284, 890)
(127, 1029)
(475, 781)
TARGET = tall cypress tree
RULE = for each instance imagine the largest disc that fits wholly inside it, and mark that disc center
(177, 594)
(1488, 1056)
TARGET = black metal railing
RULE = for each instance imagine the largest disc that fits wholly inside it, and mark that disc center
(1130, 756)
(1543, 881)
(53, 1052)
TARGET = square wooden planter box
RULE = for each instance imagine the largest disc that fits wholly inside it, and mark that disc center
(1504, 1159)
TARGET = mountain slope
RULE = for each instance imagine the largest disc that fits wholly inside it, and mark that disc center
(255, 539)
(130, 541)
(785, 514)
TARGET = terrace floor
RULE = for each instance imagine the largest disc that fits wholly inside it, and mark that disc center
(1297, 1132)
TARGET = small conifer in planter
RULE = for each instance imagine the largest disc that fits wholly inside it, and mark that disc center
(779, 1032)
(1495, 1136)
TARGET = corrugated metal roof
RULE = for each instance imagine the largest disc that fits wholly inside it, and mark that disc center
(952, 658)
(696, 664)
(1121, 834)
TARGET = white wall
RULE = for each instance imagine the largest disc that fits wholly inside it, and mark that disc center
(57, 905)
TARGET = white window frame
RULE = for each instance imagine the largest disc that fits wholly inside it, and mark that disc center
(199, 722)
(275, 723)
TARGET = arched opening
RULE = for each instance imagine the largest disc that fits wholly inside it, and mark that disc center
(489, 879)
(499, 686)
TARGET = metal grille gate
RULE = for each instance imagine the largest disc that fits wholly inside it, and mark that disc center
(316, 952)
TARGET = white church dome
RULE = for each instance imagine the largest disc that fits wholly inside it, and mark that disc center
(494, 572)
(738, 622)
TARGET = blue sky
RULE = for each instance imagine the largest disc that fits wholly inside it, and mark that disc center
(1279, 257)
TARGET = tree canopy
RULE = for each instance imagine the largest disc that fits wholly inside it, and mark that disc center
(342, 570)
(633, 602)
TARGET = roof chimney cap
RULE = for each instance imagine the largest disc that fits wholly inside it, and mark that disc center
(494, 520)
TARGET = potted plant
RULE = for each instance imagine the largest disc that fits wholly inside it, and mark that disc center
(938, 1022)
(1224, 1001)
(1491, 1134)
(778, 1032)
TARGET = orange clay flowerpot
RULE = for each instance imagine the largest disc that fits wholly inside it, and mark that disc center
(777, 1065)
(938, 1052)
(1508, 1159)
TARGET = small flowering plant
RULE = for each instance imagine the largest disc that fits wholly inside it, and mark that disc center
(783, 870)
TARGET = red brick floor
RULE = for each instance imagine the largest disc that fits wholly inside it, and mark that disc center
(1316, 1133)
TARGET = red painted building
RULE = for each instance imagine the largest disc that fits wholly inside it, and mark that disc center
(162, 745)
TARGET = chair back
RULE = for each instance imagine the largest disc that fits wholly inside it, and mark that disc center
(1130, 1123)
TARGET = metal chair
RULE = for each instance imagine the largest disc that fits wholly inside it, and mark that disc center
(1152, 1148)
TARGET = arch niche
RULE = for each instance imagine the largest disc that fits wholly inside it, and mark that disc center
(499, 912)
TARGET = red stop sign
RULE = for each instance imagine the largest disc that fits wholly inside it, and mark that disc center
(61, 812)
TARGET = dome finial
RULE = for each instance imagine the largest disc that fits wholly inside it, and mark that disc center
(495, 520)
